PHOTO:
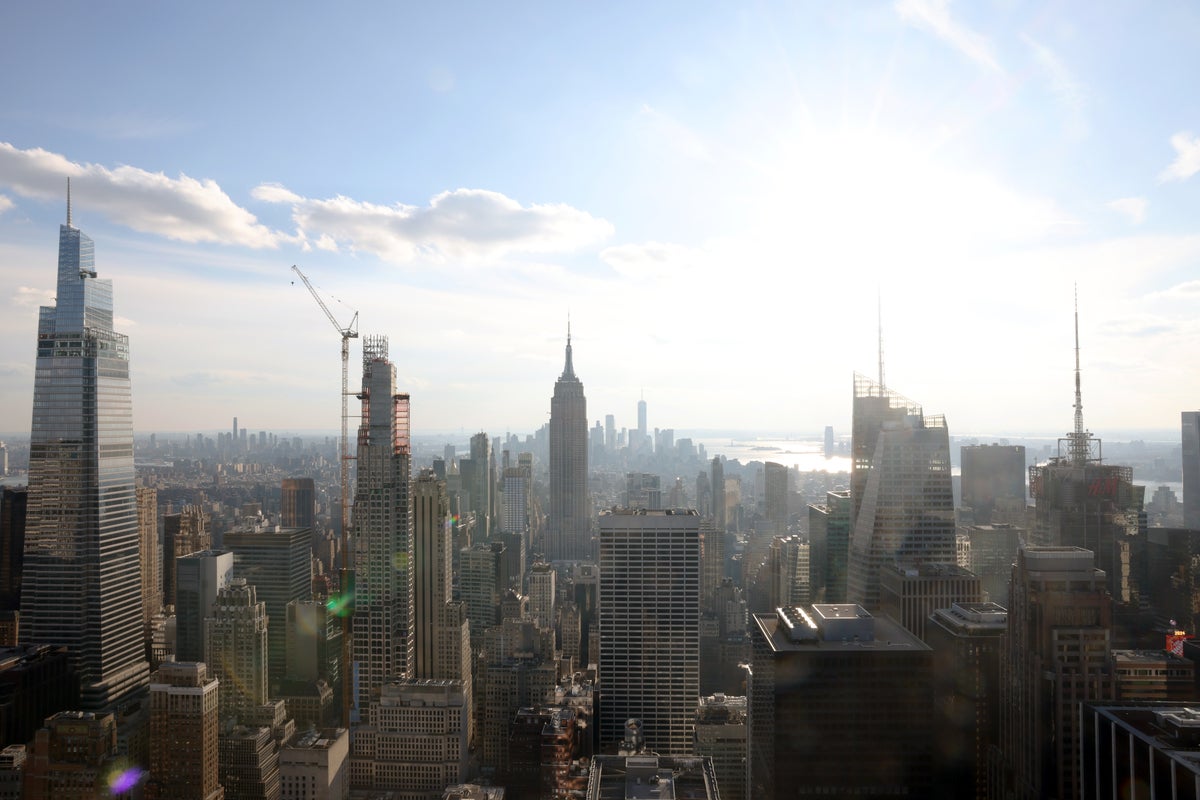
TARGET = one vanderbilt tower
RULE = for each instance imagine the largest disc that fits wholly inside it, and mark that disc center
(81, 579)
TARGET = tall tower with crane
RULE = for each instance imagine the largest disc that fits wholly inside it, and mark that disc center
(344, 605)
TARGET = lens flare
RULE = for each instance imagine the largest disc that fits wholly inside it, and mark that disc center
(337, 604)
(123, 780)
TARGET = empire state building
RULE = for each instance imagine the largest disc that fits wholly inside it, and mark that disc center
(568, 538)
(82, 582)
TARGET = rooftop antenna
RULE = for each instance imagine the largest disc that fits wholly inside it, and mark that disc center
(68, 201)
(879, 300)
(1079, 437)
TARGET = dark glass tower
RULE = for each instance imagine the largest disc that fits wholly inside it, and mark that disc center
(82, 582)
(569, 517)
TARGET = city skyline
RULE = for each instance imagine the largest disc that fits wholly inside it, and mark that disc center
(726, 195)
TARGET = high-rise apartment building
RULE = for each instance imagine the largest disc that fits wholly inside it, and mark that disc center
(902, 495)
(482, 583)
(1191, 468)
(200, 576)
(82, 582)
(183, 734)
(788, 571)
(481, 483)
(723, 734)
(383, 637)
(570, 517)
(650, 625)
(514, 517)
(236, 647)
(718, 490)
(542, 594)
(1057, 655)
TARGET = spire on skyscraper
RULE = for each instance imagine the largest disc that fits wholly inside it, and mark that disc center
(1080, 446)
(68, 201)
(879, 302)
(568, 368)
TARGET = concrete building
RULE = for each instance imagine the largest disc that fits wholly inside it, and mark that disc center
(723, 734)
(788, 564)
(542, 595)
(775, 496)
(249, 763)
(183, 734)
(36, 681)
(185, 532)
(1057, 655)
(1153, 675)
(482, 583)
(993, 549)
(568, 537)
(966, 640)
(149, 554)
(314, 642)
(431, 570)
(12, 771)
(415, 741)
(650, 775)
(909, 594)
(904, 506)
(200, 577)
(829, 684)
(383, 623)
(650, 625)
(298, 503)
(315, 765)
(236, 634)
(72, 757)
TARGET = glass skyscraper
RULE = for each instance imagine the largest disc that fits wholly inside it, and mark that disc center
(82, 583)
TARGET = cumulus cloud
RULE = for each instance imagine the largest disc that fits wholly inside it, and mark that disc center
(1187, 158)
(5, 204)
(468, 224)
(183, 208)
(1132, 207)
(934, 16)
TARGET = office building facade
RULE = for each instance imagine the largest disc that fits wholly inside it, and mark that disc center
(82, 583)
(650, 625)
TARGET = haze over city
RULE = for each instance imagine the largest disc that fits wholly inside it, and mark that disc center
(718, 198)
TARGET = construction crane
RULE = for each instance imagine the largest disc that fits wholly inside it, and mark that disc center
(345, 605)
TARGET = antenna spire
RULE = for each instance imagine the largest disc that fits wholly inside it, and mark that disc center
(68, 201)
(1079, 437)
(879, 301)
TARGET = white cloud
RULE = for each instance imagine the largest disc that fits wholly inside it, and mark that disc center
(5, 204)
(1132, 207)
(182, 208)
(1187, 158)
(468, 224)
(274, 193)
(934, 16)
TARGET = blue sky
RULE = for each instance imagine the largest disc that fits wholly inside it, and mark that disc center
(716, 193)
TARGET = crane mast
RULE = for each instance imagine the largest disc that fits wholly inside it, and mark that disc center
(345, 608)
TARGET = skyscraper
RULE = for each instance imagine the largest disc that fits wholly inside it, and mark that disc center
(236, 647)
(900, 487)
(1079, 501)
(650, 626)
(82, 581)
(183, 734)
(569, 506)
(297, 502)
(1191, 468)
(1057, 654)
(201, 576)
(431, 568)
(383, 639)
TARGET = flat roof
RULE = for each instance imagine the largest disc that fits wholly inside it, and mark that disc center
(889, 637)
